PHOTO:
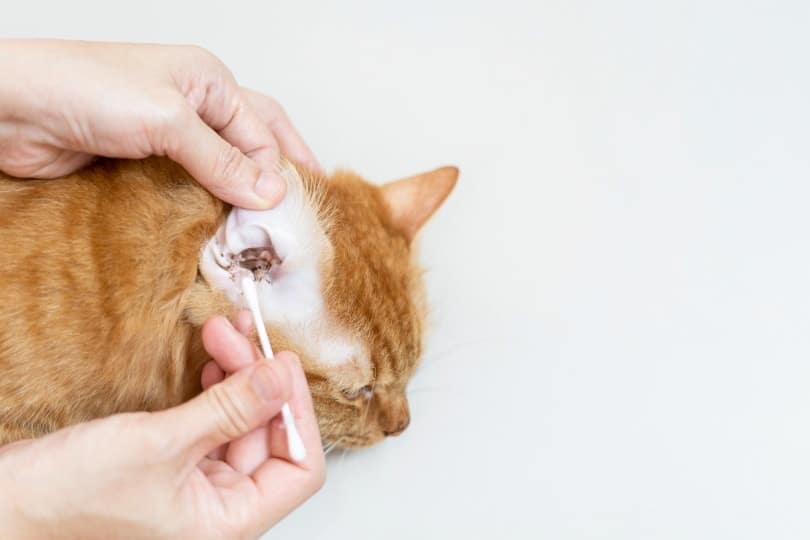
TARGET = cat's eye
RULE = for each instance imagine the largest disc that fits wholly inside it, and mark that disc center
(364, 392)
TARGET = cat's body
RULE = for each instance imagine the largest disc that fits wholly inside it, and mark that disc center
(102, 299)
(97, 270)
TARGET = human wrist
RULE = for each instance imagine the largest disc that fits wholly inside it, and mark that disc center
(28, 509)
(12, 525)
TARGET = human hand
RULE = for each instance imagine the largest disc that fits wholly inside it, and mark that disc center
(64, 102)
(198, 470)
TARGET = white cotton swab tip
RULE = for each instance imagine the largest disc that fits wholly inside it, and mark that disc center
(295, 445)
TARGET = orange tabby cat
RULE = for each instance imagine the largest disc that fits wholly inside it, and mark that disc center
(107, 275)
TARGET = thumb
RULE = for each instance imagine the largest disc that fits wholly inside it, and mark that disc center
(221, 167)
(228, 410)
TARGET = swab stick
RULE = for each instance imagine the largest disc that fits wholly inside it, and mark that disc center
(294, 443)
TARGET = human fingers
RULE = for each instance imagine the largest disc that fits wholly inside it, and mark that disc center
(248, 453)
(219, 166)
(211, 374)
(230, 349)
(226, 411)
(243, 322)
(290, 141)
(303, 413)
(283, 485)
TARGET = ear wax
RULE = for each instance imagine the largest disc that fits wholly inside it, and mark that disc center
(259, 260)
(294, 443)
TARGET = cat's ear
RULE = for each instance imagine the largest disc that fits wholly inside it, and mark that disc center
(413, 200)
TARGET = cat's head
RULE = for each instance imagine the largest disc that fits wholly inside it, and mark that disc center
(340, 285)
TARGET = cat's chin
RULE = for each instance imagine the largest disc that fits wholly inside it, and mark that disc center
(355, 442)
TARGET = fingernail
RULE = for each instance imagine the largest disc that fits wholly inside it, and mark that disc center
(270, 188)
(263, 382)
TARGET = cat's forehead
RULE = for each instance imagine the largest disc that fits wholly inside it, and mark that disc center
(375, 284)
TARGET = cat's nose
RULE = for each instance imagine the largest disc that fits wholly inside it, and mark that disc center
(399, 428)
(393, 416)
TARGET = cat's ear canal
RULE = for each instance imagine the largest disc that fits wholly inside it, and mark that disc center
(411, 201)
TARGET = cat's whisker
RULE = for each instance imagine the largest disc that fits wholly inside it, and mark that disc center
(343, 456)
(425, 389)
(436, 358)
(444, 354)
(326, 434)
(332, 446)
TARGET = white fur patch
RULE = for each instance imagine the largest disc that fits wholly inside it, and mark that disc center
(293, 302)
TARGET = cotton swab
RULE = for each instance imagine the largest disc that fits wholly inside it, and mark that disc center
(294, 443)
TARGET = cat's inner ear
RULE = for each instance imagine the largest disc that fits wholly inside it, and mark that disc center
(411, 201)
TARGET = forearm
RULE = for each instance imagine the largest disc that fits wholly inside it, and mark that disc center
(11, 526)
(35, 499)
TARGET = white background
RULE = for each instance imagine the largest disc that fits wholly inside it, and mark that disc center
(620, 334)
